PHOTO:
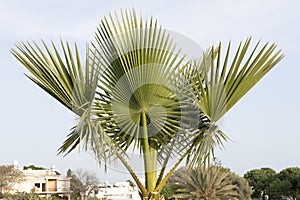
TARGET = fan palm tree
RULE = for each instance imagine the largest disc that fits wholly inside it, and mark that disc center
(136, 91)
(209, 183)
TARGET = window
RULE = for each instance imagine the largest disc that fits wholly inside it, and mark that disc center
(37, 185)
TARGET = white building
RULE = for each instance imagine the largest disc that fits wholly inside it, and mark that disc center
(43, 182)
(117, 191)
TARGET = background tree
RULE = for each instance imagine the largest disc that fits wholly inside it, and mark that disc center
(292, 177)
(243, 188)
(259, 180)
(207, 183)
(131, 183)
(32, 196)
(83, 182)
(33, 167)
(9, 176)
(75, 185)
(169, 191)
(285, 184)
(178, 177)
(277, 188)
(136, 90)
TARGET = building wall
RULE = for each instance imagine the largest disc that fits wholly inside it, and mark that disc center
(43, 182)
(118, 191)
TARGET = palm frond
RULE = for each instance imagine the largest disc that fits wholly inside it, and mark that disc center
(72, 84)
(139, 62)
(220, 84)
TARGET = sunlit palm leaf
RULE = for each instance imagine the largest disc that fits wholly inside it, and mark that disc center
(71, 83)
(218, 87)
(223, 84)
(139, 62)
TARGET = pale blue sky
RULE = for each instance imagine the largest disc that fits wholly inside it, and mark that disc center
(262, 126)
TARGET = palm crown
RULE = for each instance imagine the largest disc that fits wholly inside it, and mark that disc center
(207, 184)
(137, 91)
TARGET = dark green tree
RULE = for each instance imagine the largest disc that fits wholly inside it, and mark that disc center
(277, 188)
(131, 183)
(33, 167)
(288, 181)
(169, 191)
(259, 180)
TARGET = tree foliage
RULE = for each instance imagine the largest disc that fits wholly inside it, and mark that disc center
(33, 167)
(266, 181)
(75, 184)
(243, 188)
(83, 182)
(259, 179)
(31, 196)
(131, 183)
(223, 177)
(9, 176)
(285, 184)
(169, 191)
(208, 183)
(178, 176)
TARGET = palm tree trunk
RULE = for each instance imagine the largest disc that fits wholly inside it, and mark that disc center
(150, 159)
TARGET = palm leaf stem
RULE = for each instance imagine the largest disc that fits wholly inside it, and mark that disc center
(163, 182)
(142, 188)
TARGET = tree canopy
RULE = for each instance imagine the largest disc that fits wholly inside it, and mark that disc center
(9, 176)
(214, 182)
(207, 183)
(82, 183)
(33, 167)
(259, 180)
(285, 184)
(266, 181)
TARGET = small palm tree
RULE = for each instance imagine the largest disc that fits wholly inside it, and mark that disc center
(209, 183)
(137, 92)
